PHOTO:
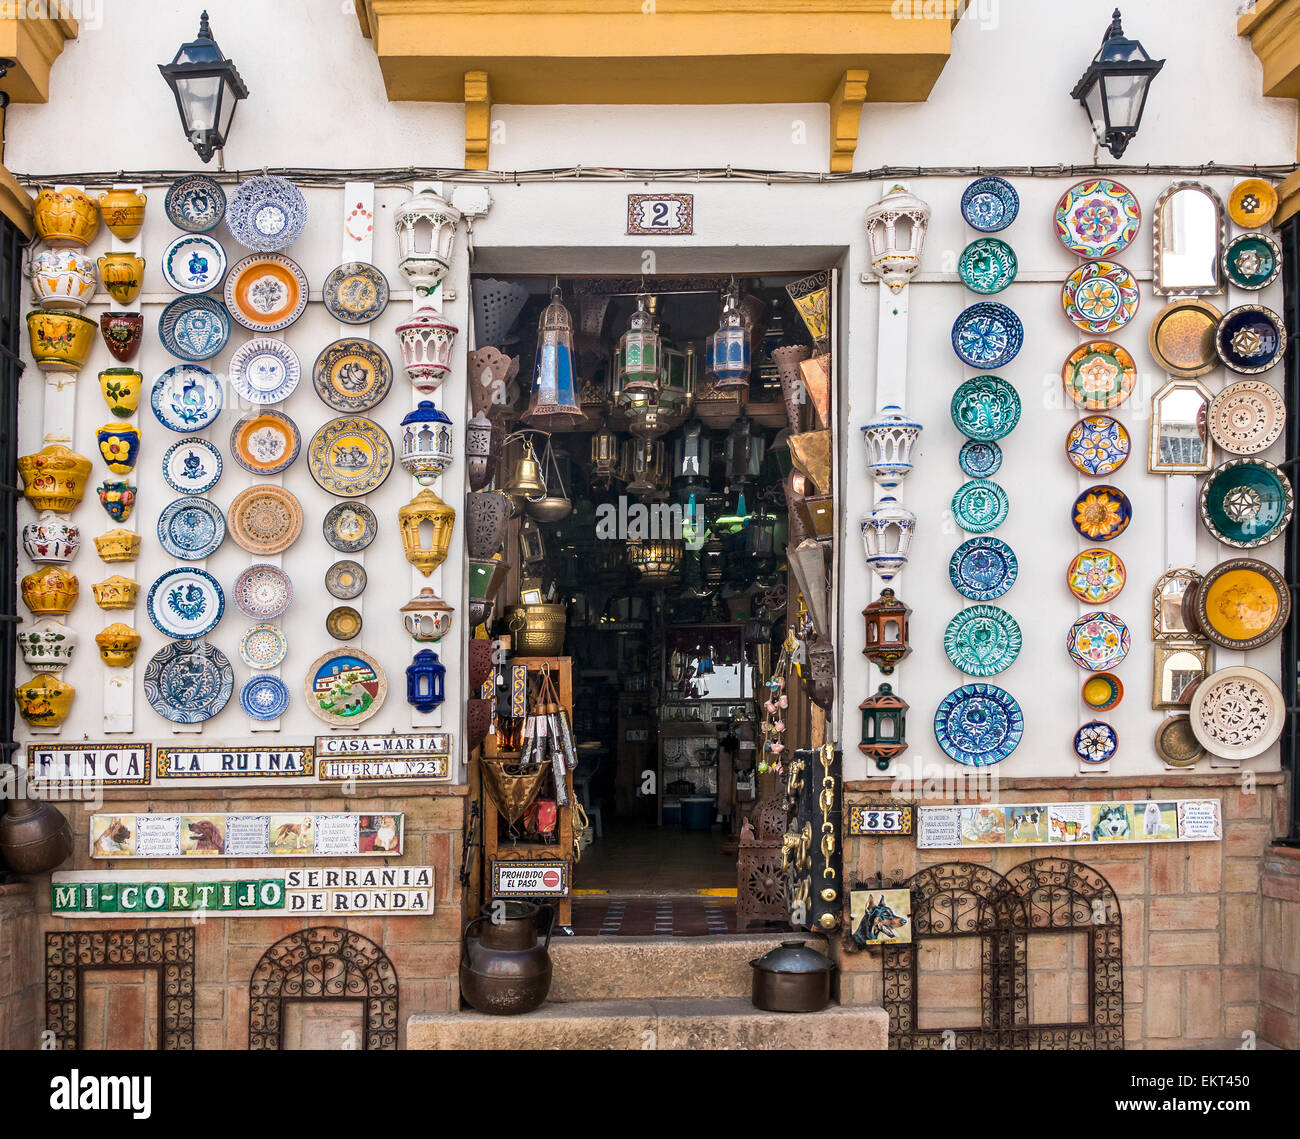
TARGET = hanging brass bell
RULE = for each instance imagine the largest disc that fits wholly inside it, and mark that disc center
(526, 479)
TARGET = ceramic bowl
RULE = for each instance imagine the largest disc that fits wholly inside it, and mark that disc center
(63, 279)
(1250, 339)
(1246, 503)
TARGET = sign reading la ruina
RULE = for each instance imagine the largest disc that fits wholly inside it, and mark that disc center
(218, 762)
(70, 764)
(396, 758)
(542, 879)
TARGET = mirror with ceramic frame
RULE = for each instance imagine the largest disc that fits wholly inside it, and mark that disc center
(1167, 604)
(1180, 436)
(1187, 236)
(1174, 669)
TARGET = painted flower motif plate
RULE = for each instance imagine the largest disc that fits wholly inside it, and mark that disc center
(185, 602)
(1102, 513)
(263, 591)
(263, 646)
(355, 293)
(982, 640)
(265, 370)
(192, 466)
(1252, 261)
(979, 459)
(343, 623)
(1247, 417)
(345, 579)
(1176, 744)
(1099, 375)
(980, 506)
(1098, 445)
(350, 527)
(265, 519)
(1100, 297)
(264, 697)
(1246, 503)
(987, 265)
(1102, 691)
(1096, 576)
(979, 724)
(1097, 218)
(1237, 713)
(195, 203)
(983, 569)
(191, 528)
(1096, 742)
(194, 328)
(1250, 339)
(985, 408)
(990, 204)
(1098, 641)
(1240, 604)
(1181, 338)
(188, 681)
(186, 398)
(345, 686)
(194, 263)
(987, 335)
(352, 375)
(1252, 203)
(266, 292)
(267, 213)
(350, 456)
(266, 442)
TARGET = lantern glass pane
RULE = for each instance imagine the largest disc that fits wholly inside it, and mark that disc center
(200, 97)
(1123, 95)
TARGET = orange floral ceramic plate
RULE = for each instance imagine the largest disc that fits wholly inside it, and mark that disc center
(1102, 513)
(1099, 375)
(266, 292)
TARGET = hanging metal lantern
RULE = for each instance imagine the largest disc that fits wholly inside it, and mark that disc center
(886, 631)
(691, 453)
(604, 456)
(744, 451)
(643, 466)
(481, 451)
(426, 507)
(729, 349)
(887, 535)
(889, 439)
(426, 442)
(426, 617)
(884, 726)
(554, 400)
(677, 382)
(760, 536)
(531, 546)
(426, 230)
(525, 480)
(640, 354)
(554, 504)
(713, 561)
(896, 233)
(425, 677)
(658, 561)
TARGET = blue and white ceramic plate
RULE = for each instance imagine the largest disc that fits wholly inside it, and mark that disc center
(185, 602)
(350, 526)
(194, 328)
(990, 204)
(986, 408)
(980, 506)
(979, 725)
(196, 203)
(264, 697)
(987, 265)
(982, 640)
(194, 263)
(1098, 445)
(1096, 742)
(263, 646)
(979, 459)
(1250, 339)
(186, 398)
(192, 466)
(188, 681)
(191, 528)
(983, 568)
(266, 213)
(987, 335)
(265, 370)
(355, 293)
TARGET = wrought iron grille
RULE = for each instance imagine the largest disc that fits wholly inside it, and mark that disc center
(1290, 241)
(12, 241)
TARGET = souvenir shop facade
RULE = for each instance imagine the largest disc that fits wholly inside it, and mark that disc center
(1036, 484)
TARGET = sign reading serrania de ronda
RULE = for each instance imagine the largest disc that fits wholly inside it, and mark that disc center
(107, 764)
(384, 758)
(251, 763)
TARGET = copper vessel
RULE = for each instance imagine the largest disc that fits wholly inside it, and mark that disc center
(34, 837)
(506, 970)
(792, 978)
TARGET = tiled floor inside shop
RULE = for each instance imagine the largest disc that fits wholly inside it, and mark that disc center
(663, 916)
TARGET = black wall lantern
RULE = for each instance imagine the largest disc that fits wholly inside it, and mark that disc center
(207, 88)
(1114, 88)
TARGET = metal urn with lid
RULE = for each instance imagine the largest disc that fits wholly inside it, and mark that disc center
(792, 978)
(506, 969)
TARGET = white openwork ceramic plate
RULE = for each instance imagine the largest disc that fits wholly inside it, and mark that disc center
(1237, 712)
(1247, 417)
(263, 591)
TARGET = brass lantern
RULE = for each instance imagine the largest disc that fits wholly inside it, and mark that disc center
(884, 726)
(640, 354)
(887, 633)
(426, 507)
(643, 466)
(553, 403)
(729, 349)
(604, 455)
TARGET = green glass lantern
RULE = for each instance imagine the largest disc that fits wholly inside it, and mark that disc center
(640, 354)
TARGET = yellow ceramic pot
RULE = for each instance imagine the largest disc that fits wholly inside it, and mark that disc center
(60, 341)
(65, 217)
(50, 591)
(121, 388)
(122, 274)
(123, 211)
(118, 546)
(54, 478)
(117, 645)
(45, 700)
(115, 592)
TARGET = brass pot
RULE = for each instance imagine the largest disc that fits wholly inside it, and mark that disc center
(538, 630)
(34, 837)
(506, 970)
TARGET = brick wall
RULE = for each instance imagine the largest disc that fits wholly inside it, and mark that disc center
(1279, 980)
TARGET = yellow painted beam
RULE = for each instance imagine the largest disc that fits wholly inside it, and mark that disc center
(16, 203)
(34, 44)
(846, 115)
(478, 120)
(1274, 30)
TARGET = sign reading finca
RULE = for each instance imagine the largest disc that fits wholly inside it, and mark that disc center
(70, 765)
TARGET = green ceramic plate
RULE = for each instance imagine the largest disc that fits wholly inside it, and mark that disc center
(987, 265)
(1252, 261)
(1246, 503)
(986, 408)
(982, 640)
(980, 506)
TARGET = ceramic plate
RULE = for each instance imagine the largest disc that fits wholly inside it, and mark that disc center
(979, 459)
(1176, 743)
(1181, 338)
(978, 724)
(1097, 218)
(350, 527)
(1099, 375)
(350, 456)
(1096, 576)
(1250, 339)
(1237, 713)
(1252, 203)
(987, 335)
(1246, 503)
(983, 568)
(345, 687)
(185, 602)
(1098, 641)
(1252, 261)
(265, 519)
(191, 528)
(266, 292)
(352, 375)
(982, 640)
(186, 398)
(262, 646)
(355, 293)
(1102, 513)
(343, 623)
(345, 580)
(1241, 604)
(1096, 742)
(1247, 417)
(987, 265)
(1100, 297)
(266, 442)
(263, 591)
(980, 506)
(195, 203)
(192, 466)
(267, 213)
(188, 681)
(990, 204)
(1102, 691)
(1098, 445)
(985, 408)
(194, 328)
(265, 370)
(264, 697)
(194, 263)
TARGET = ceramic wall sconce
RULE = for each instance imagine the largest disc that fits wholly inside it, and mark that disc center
(117, 498)
(60, 341)
(65, 218)
(427, 446)
(49, 591)
(426, 230)
(121, 388)
(54, 478)
(424, 681)
(63, 279)
(884, 726)
(886, 631)
(118, 546)
(887, 531)
(119, 444)
(51, 540)
(896, 228)
(426, 553)
(45, 700)
(116, 592)
(47, 646)
(426, 617)
(122, 274)
(117, 645)
(123, 211)
(427, 342)
(889, 438)
(122, 333)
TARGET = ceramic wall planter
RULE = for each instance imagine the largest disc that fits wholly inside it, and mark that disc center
(47, 646)
(889, 439)
(49, 591)
(489, 513)
(122, 274)
(122, 332)
(123, 211)
(63, 279)
(51, 540)
(118, 546)
(426, 228)
(54, 478)
(60, 341)
(426, 507)
(65, 217)
(117, 645)
(116, 592)
(121, 389)
(426, 617)
(44, 701)
(426, 341)
(117, 498)
(119, 444)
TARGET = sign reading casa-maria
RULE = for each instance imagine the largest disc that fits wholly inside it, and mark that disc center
(425, 757)
(109, 764)
(253, 763)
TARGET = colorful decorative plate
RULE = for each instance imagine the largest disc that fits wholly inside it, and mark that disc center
(1250, 339)
(1240, 604)
(979, 724)
(195, 203)
(355, 293)
(982, 640)
(1098, 641)
(264, 697)
(345, 687)
(194, 263)
(267, 213)
(266, 292)
(987, 265)
(263, 646)
(983, 568)
(990, 204)
(188, 681)
(1176, 743)
(1099, 375)
(191, 528)
(1247, 417)
(1181, 338)
(263, 591)
(350, 456)
(194, 328)
(1096, 742)
(1096, 576)
(186, 398)
(265, 370)
(1102, 513)
(1252, 203)
(345, 579)
(1098, 445)
(352, 375)
(1252, 261)
(265, 519)
(350, 527)
(1102, 691)
(1097, 218)
(192, 466)
(1246, 503)
(343, 623)
(985, 408)
(1237, 713)
(266, 442)
(1100, 297)
(185, 602)
(980, 506)
(979, 459)
(987, 335)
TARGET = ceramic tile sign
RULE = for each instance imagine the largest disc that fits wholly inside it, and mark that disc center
(1070, 824)
(246, 764)
(879, 917)
(384, 759)
(245, 836)
(79, 765)
(661, 215)
(881, 819)
(519, 879)
(239, 892)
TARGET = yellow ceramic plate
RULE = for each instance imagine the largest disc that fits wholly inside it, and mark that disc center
(1182, 338)
(1252, 203)
(1102, 691)
(343, 623)
(1242, 604)
(266, 292)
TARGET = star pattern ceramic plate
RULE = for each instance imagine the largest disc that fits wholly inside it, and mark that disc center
(1181, 338)
(1176, 743)
(979, 459)
(194, 328)
(1252, 261)
(1099, 375)
(983, 569)
(1096, 576)
(345, 686)
(987, 335)
(186, 398)
(267, 213)
(343, 623)
(1246, 503)
(191, 528)
(265, 519)
(1252, 203)
(1247, 417)
(1250, 339)
(990, 204)
(1097, 218)
(352, 375)
(985, 408)
(355, 293)
(350, 456)
(196, 203)
(980, 506)
(192, 466)
(1100, 297)
(266, 292)
(345, 579)
(188, 681)
(1096, 742)
(1098, 445)
(263, 646)
(1102, 691)
(1237, 713)
(1102, 513)
(263, 591)
(1098, 641)
(982, 640)
(185, 602)
(979, 724)
(265, 370)
(350, 527)
(264, 697)
(194, 263)
(1241, 604)
(987, 265)
(266, 442)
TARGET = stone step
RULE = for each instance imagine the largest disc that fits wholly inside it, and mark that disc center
(729, 1023)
